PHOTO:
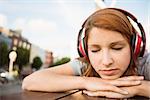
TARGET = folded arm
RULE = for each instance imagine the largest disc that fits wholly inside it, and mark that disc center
(134, 85)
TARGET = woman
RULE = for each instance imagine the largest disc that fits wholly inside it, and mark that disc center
(111, 58)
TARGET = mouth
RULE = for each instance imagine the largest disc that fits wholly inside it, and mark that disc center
(109, 72)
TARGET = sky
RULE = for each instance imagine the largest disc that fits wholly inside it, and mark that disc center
(54, 24)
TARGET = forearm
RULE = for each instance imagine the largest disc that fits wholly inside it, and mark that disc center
(51, 82)
(144, 89)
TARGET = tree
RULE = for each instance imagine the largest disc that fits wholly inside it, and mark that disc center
(37, 63)
(61, 61)
(22, 57)
(3, 54)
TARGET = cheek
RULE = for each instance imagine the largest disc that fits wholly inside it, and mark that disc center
(123, 60)
(94, 60)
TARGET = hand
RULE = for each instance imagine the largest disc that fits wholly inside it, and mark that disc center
(132, 91)
(127, 84)
(97, 84)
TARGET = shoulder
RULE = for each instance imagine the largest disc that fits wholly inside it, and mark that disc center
(144, 66)
(144, 60)
(78, 65)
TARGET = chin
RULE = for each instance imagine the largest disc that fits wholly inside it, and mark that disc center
(110, 77)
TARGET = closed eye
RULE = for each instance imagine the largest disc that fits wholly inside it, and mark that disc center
(117, 48)
(94, 51)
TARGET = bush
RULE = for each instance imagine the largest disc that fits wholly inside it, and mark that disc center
(3, 54)
(61, 61)
(37, 63)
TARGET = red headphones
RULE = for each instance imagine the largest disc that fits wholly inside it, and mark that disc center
(138, 40)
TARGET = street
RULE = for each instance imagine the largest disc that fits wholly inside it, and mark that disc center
(10, 88)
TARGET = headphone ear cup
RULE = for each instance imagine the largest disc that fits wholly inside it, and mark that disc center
(81, 43)
(133, 38)
(137, 45)
(81, 48)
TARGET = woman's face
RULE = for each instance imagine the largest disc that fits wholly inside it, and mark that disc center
(109, 53)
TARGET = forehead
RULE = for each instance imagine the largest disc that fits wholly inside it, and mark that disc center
(99, 35)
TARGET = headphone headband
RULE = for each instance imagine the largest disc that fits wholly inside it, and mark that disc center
(138, 40)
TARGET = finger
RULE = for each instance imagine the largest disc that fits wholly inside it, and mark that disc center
(131, 78)
(109, 87)
(93, 93)
(110, 94)
(107, 94)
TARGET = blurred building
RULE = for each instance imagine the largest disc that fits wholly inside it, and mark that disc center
(4, 38)
(18, 41)
(49, 59)
(14, 39)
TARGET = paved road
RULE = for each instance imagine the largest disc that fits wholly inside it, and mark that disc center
(10, 88)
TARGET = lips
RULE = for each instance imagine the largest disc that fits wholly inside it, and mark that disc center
(109, 72)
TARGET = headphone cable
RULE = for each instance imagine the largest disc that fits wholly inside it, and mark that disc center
(67, 94)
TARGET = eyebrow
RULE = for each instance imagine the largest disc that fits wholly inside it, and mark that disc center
(120, 42)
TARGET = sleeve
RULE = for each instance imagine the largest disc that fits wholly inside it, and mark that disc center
(144, 68)
(77, 65)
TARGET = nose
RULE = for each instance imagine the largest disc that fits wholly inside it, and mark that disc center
(107, 59)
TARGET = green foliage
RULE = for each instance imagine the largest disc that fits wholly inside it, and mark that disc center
(61, 61)
(3, 54)
(22, 57)
(37, 63)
